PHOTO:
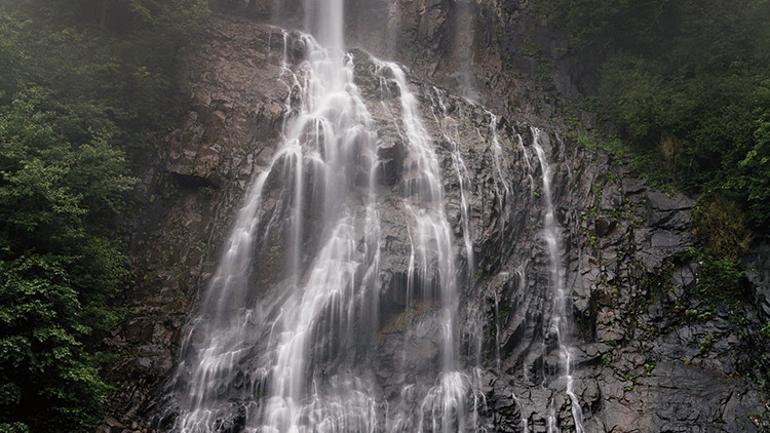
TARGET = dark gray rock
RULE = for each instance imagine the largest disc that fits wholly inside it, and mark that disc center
(757, 263)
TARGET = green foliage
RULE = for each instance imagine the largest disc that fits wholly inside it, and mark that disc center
(58, 268)
(649, 366)
(721, 227)
(687, 86)
(589, 20)
(720, 281)
(752, 176)
(706, 343)
(83, 83)
(765, 330)
(115, 60)
(723, 237)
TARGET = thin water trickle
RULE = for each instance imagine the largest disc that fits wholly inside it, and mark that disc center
(449, 130)
(462, 49)
(560, 319)
(497, 152)
(522, 417)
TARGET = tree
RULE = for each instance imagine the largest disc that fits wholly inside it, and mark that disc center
(58, 266)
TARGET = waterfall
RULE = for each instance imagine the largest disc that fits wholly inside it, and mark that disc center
(281, 340)
(328, 127)
(448, 127)
(559, 319)
(287, 335)
(432, 235)
(462, 42)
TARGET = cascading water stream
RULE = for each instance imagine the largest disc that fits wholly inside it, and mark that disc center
(290, 313)
(284, 338)
(499, 179)
(474, 328)
(559, 319)
(497, 151)
(462, 48)
(448, 127)
(327, 128)
(446, 401)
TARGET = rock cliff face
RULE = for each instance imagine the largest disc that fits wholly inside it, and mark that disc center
(649, 356)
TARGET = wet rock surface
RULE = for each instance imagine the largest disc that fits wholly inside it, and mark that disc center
(186, 198)
(649, 355)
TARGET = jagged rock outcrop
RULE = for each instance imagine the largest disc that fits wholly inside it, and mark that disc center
(648, 357)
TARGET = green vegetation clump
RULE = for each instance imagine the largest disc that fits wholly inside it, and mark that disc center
(86, 87)
(649, 367)
(765, 330)
(723, 237)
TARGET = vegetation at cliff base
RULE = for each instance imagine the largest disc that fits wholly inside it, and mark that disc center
(83, 85)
